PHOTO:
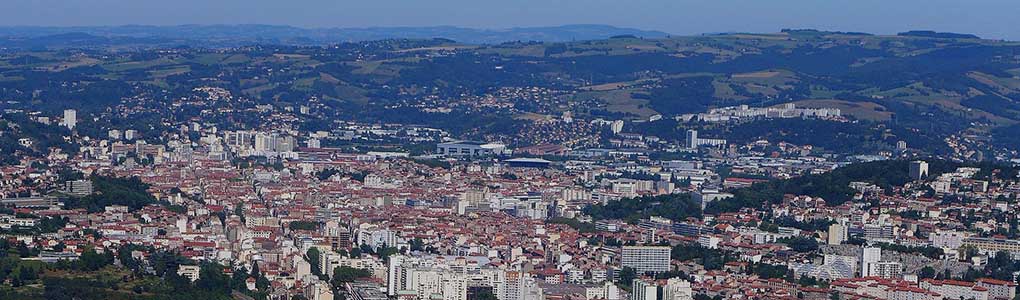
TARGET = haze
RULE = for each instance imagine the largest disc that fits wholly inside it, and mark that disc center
(987, 18)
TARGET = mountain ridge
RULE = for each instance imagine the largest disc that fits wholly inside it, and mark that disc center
(231, 34)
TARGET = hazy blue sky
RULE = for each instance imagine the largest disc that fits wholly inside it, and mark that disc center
(988, 18)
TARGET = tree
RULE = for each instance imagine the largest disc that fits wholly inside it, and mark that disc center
(627, 275)
(802, 244)
(485, 295)
(385, 253)
(345, 274)
(313, 257)
(92, 261)
(211, 278)
(261, 282)
(417, 244)
(926, 273)
(303, 225)
(59, 247)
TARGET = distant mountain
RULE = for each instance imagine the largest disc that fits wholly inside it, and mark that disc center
(938, 35)
(229, 35)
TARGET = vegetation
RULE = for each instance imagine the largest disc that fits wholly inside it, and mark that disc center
(583, 227)
(711, 259)
(314, 258)
(834, 186)
(345, 274)
(377, 82)
(303, 225)
(801, 244)
(676, 207)
(43, 225)
(767, 271)
(130, 192)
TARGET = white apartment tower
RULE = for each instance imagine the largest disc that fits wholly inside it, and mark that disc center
(646, 259)
(869, 256)
(918, 169)
(70, 118)
(677, 289)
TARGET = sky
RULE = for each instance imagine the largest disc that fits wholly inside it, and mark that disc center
(996, 19)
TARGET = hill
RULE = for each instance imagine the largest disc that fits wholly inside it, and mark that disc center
(234, 35)
(932, 84)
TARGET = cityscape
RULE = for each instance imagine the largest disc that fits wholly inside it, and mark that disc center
(589, 163)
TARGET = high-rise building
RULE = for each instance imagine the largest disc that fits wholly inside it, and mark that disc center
(885, 269)
(266, 143)
(692, 141)
(238, 139)
(869, 256)
(70, 118)
(672, 289)
(644, 289)
(918, 169)
(677, 289)
(616, 127)
(646, 259)
(81, 187)
(837, 233)
(263, 142)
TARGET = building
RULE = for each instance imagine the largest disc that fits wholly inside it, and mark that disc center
(955, 289)
(671, 289)
(30, 202)
(677, 289)
(688, 229)
(704, 197)
(837, 234)
(268, 143)
(607, 291)
(318, 290)
(692, 141)
(616, 126)
(313, 143)
(744, 112)
(918, 169)
(191, 272)
(998, 289)
(644, 289)
(990, 246)
(523, 162)
(646, 259)
(885, 269)
(469, 149)
(238, 139)
(115, 134)
(947, 239)
(879, 288)
(545, 149)
(833, 267)
(454, 277)
(869, 256)
(79, 188)
(70, 118)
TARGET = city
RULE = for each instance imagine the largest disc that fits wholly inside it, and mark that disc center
(579, 162)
